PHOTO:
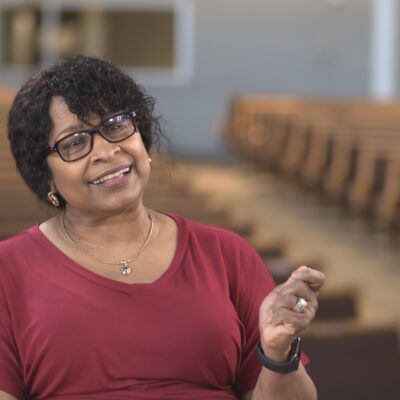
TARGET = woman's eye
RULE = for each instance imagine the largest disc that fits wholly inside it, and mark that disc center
(76, 142)
(115, 129)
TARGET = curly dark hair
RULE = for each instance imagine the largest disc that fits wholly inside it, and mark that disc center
(89, 86)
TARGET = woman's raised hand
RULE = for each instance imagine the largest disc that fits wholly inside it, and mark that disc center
(288, 310)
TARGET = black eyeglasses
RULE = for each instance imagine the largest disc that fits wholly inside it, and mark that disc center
(79, 144)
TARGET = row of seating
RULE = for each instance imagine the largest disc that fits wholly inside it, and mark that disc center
(347, 150)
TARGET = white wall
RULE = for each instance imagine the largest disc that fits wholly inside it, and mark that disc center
(293, 46)
(318, 47)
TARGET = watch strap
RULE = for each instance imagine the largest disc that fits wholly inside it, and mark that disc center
(283, 367)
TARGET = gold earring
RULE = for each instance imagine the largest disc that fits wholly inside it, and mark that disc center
(53, 199)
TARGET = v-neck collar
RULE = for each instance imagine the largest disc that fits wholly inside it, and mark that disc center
(62, 259)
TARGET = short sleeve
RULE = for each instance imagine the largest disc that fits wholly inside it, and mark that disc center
(253, 283)
(10, 367)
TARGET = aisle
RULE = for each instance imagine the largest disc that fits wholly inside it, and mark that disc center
(352, 257)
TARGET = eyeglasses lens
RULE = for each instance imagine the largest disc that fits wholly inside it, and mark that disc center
(117, 128)
(79, 144)
(75, 146)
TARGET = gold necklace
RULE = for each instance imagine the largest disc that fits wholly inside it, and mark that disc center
(125, 264)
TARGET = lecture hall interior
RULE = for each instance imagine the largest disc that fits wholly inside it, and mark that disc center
(283, 125)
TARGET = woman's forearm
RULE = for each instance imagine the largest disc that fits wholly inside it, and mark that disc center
(284, 314)
(292, 386)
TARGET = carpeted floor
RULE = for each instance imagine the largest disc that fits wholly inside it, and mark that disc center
(353, 256)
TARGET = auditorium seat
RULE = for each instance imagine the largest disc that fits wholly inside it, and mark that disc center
(388, 207)
(371, 176)
(354, 364)
(337, 306)
(324, 145)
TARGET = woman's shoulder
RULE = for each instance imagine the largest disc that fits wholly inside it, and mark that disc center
(21, 257)
(228, 249)
(207, 233)
(18, 242)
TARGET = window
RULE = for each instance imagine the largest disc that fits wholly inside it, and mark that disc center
(20, 36)
(153, 39)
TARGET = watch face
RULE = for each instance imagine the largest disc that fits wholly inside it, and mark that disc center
(295, 349)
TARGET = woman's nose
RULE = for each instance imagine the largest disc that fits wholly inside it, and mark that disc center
(102, 148)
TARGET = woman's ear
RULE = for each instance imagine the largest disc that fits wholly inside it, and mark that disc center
(53, 187)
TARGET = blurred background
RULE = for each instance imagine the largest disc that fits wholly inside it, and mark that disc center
(284, 120)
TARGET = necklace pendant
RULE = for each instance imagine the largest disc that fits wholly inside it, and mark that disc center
(125, 268)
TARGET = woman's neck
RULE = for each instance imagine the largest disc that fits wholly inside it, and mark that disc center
(122, 231)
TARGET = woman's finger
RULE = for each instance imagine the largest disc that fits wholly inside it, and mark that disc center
(298, 288)
(270, 310)
(285, 300)
(293, 323)
(315, 279)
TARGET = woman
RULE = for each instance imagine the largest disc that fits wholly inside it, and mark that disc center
(111, 300)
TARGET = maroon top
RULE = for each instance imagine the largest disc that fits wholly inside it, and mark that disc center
(68, 333)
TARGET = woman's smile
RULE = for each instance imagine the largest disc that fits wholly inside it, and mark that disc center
(114, 181)
(113, 177)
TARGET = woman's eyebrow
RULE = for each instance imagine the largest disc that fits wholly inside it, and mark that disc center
(72, 129)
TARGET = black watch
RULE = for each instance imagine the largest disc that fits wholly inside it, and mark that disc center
(283, 367)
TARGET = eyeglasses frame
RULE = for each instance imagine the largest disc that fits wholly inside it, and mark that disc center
(54, 147)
